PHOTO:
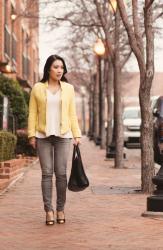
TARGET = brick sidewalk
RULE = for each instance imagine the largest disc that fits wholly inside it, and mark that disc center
(105, 216)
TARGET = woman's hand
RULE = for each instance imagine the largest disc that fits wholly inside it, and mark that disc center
(32, 142)
(76, 141)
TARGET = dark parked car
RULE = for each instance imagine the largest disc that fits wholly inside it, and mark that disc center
(158, 130)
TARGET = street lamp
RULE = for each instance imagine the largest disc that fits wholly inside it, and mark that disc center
(99, 49)
(113, 5)
(5, 67)
(13, 16)
(8, 68)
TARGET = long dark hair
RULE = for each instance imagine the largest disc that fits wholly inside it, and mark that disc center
(48, 64)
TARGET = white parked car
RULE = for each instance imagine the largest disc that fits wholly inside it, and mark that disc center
(132, 122)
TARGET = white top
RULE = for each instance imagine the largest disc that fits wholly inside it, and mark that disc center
(53, 116)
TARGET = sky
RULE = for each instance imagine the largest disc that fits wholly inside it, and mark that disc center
(49, 43)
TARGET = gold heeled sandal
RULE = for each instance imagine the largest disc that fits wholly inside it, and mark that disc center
(60, 217)
(50, 218)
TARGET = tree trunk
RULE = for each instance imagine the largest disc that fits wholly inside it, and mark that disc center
(96, 107)
(146, 68)
(147, 159)
(109, 91)
(147, 162)
(117, 98)
(103, 106)
(91, 114)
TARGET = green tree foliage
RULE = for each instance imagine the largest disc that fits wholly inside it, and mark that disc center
(7, 145)
(1, 98)
(17, 100)
(26, 96)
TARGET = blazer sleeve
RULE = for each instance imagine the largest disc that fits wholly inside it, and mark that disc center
(33, 112)
(73, 117)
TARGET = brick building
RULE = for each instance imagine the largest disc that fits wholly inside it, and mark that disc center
(19, 53)
(130, 87)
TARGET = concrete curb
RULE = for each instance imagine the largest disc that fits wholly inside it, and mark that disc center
(152, 214)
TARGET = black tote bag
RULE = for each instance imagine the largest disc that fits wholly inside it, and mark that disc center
(78, 180)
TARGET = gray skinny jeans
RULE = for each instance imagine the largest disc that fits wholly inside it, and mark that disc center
(53, 155)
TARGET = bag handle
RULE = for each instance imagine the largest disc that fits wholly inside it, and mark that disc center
(77, 150)
(74, 153)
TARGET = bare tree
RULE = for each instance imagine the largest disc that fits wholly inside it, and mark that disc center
(119, 54)
(146, 67)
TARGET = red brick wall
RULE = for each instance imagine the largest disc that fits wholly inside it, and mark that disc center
(1, 30)
(30, 27)
(9, 170)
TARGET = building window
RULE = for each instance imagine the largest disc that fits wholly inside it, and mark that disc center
(34, 61)
(6, 14)
(26, 67)
(13, 36)
(7, 36)
(34, 77)
(14, 47)
(7, 41)
(25, 57)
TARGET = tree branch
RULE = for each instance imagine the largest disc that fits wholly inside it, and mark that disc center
(148, 22)
(100, 15)
(149, 4)
(131, 35)
(126, 58)
(136, 25)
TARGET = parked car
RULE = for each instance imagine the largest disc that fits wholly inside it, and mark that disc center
(131, 123)
(154, 100)
(158, 130)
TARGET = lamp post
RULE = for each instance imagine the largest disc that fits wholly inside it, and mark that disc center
(99, 50)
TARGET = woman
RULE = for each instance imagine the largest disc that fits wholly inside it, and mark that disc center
(52, 122)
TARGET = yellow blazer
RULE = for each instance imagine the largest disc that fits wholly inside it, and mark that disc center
(37, 110)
